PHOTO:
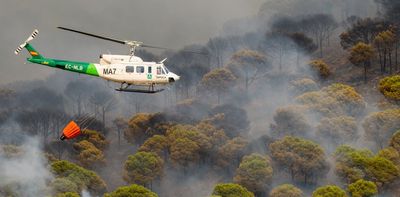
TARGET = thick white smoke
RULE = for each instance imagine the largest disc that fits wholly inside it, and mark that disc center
(26, 174)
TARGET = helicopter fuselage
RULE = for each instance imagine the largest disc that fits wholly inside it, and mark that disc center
(130, 70)
(125, 69)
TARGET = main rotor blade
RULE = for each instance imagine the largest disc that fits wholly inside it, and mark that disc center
(93, 35)
(163, 48)
(127, 42)
(154, 47)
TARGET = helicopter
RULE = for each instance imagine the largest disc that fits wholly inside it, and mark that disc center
(128, 70)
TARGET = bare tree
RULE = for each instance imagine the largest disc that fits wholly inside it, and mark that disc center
(43, 122)
(103, 101)
(278, 44)
(78, 92)
(320, 27)
(120, 124)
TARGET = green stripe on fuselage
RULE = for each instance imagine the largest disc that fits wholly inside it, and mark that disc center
(79, 67)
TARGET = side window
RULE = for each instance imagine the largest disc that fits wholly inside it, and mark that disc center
(159, 70)
(140, 69)
(163, 72)
(129, 69)
(149, 69)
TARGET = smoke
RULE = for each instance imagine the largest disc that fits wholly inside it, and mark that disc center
(246, 30)
(25, 174)
(85, 194)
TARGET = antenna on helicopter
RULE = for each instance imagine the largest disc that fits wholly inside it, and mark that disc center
(131, 43)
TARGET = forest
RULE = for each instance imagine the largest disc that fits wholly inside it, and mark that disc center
(301, 99)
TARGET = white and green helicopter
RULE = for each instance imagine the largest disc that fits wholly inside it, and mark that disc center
(129, 70)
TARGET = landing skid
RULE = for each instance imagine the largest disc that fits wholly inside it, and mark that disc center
(151, 89)
(139, 91)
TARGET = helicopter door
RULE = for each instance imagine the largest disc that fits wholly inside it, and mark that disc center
(149, 73)
(140, 72)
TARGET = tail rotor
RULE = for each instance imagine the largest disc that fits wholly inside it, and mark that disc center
(30, 38)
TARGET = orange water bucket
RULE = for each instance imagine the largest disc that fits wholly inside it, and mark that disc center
(71, 131)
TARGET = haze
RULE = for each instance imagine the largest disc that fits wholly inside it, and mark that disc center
(172, 23)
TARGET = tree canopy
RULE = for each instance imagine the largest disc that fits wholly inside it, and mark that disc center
(363, 188)
(353, 164)
(320, 68)
(142, 168)
(301, 158)
(337, 130)
(286, 190)
(380, 126)
(361, 55)
(329, 191)
(131, 191)
(390, 87)
(80, 176)
(254, 173)
(218, 81)
(231, 190)
(334, 100)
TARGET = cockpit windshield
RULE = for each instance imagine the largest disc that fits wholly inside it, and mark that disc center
(166, 69)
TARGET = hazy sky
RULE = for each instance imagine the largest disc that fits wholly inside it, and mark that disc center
(169, 23)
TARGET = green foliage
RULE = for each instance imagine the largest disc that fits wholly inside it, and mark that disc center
(217, 136)
(68, 194)
(334, 100)
(131, 191)
(62, 185)
(395, 141)
(363, 30)
(231, 190)
(184, 153)
(320, 68)
(80, 176)
(390, 154)
(352, 165)
(137, 128)
(96, 138)
(290, 120)
(187, 145)
(218, 81)
(286, 190)
(89, 155)
(361, 53)
(301, 86)
(380, 126)
(248, 65)
(362, 188)
(143, 167)
(329, 191)
(390, 87)
(157, 144)
(381, 171)
(338, 130)
(230, 154)
(301, 158)
(254, 173)
(142, 126)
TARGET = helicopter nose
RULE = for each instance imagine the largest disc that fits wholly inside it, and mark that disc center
(175, 76)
